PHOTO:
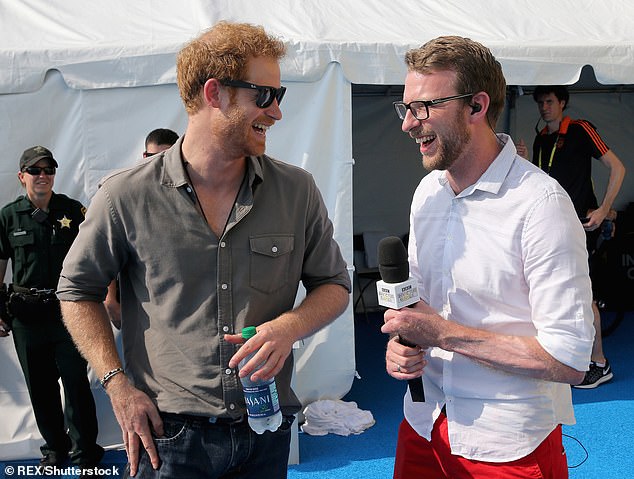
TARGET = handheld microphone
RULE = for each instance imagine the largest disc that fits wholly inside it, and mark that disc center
(397, 290)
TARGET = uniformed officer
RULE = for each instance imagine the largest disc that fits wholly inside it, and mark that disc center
(36, 232)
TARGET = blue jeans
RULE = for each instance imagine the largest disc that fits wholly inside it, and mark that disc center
(193, 448)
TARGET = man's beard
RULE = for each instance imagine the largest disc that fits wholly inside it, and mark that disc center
(451, 148)
(236, 133)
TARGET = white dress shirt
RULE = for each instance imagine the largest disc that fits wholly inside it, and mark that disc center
(507, 255)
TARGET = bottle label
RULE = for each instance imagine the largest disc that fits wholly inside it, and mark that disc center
(261, 400)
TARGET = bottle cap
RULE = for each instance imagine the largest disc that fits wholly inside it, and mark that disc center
(248, 332)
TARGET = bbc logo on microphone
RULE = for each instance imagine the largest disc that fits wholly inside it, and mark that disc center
(397, 295)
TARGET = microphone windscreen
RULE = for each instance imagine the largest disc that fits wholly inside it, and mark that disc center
(393, 265)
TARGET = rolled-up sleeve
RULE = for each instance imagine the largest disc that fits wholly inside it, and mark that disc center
(556, 270)
(323, 263)
(94, 259)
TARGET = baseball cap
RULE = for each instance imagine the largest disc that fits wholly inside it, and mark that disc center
(34, 154)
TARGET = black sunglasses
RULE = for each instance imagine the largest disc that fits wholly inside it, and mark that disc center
(37, 170)
(266, 94)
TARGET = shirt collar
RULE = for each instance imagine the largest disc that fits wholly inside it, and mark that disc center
(25, 203)
(497, 171)
(174, 174)
(492, 179)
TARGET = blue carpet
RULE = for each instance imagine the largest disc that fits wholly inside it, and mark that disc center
(600, 444)
(605, 416)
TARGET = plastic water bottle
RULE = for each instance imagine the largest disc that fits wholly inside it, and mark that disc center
(263, 405)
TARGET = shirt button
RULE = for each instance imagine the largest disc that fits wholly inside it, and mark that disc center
(222, 244)
(225, 329)
(274, 249)
(189, 190)
(228, 371)
(232, 406)
(224, 286)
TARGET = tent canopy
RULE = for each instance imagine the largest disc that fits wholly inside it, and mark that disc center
(124, 44)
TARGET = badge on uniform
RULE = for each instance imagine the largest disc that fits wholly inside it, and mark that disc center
(65, 222)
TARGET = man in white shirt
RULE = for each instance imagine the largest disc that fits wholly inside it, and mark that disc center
(504, 323)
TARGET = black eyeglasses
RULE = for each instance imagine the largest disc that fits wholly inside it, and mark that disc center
(37, 170)
(420, 108)
(266, 94)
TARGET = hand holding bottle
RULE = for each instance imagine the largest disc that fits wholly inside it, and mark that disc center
(260, 396)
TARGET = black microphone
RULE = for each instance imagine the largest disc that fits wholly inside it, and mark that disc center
(397, 290)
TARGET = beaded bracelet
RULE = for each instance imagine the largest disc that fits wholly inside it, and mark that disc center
(109, 375)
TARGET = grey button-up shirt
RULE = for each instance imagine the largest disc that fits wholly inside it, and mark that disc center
(182, 288)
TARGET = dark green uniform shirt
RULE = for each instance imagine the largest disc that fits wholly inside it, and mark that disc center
(37, 249)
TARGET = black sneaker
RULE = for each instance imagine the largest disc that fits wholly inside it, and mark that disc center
(596, 375)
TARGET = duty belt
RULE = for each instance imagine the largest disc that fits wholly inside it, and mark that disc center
(43, 294)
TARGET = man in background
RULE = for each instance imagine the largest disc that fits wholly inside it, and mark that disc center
(564, 149)
(503, 326)
(159, 140)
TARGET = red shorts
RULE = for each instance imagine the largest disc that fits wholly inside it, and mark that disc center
(416, 457)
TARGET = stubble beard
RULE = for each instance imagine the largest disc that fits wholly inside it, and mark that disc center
(450, 149)
(236, 133)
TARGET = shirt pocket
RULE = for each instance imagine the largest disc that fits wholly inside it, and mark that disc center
(270, 261)
(23, 244)
(64, 237)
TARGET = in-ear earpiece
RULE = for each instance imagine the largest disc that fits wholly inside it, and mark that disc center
(475, 108)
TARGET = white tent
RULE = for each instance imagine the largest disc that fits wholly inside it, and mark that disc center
(90, 79)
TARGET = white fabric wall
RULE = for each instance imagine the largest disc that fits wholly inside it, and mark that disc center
(92, 132)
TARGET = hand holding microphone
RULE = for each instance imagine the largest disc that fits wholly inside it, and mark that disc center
(397, 290)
